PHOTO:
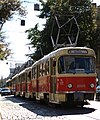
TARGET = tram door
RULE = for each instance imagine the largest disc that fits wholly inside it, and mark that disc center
(53, 79)
(37, 82)
(26, 75)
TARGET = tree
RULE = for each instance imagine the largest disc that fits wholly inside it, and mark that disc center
(63, 11)
(34, 35)
(7, 9)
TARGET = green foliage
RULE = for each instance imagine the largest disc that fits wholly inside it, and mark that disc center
(4, 48)
(96, 43)
(9, 7)
(63, 10)
(4, 51)
(34, 36)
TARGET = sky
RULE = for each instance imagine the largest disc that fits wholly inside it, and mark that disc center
(16, 36)
(96, 1)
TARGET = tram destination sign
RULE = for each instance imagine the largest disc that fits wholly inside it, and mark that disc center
(78, 51)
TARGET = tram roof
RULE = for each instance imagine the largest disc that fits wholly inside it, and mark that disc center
(25, 70)
(60, 51)
(52, 54)
(9, 80)
(15, 76)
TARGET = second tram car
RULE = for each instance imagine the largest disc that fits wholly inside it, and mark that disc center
(66, 75)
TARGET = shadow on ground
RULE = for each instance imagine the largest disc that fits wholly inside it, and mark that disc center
(45, 110)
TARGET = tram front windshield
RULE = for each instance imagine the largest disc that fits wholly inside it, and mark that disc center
(76, 64)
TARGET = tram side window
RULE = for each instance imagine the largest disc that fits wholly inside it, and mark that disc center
(15, 79)
(53, 66)
(63, 64)
(66, 64)
(23, 77)
(29, 75)
(44, 70)
(40, 70)
(47, 68)
(34, 72)
(18, 79)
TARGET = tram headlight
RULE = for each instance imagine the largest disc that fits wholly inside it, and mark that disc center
(91, 85)
(70, 85)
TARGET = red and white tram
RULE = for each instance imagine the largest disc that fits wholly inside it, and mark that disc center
(66, 75)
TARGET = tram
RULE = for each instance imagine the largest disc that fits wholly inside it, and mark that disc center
(64, 76)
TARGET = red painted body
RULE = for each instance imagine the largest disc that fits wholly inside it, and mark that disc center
(34, 85)
(79, 84)
(17, 87)
(43, 84)
(24, 87)
(30, 87)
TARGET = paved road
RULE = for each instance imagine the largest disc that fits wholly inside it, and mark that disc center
(12, 108)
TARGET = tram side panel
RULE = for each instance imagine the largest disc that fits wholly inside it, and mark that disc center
(29, 88)
(21, 84)
(13, 86)
(24, 83)
(42, 81)
(17, 86)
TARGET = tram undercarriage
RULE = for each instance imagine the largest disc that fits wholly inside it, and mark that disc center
(69, 99)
